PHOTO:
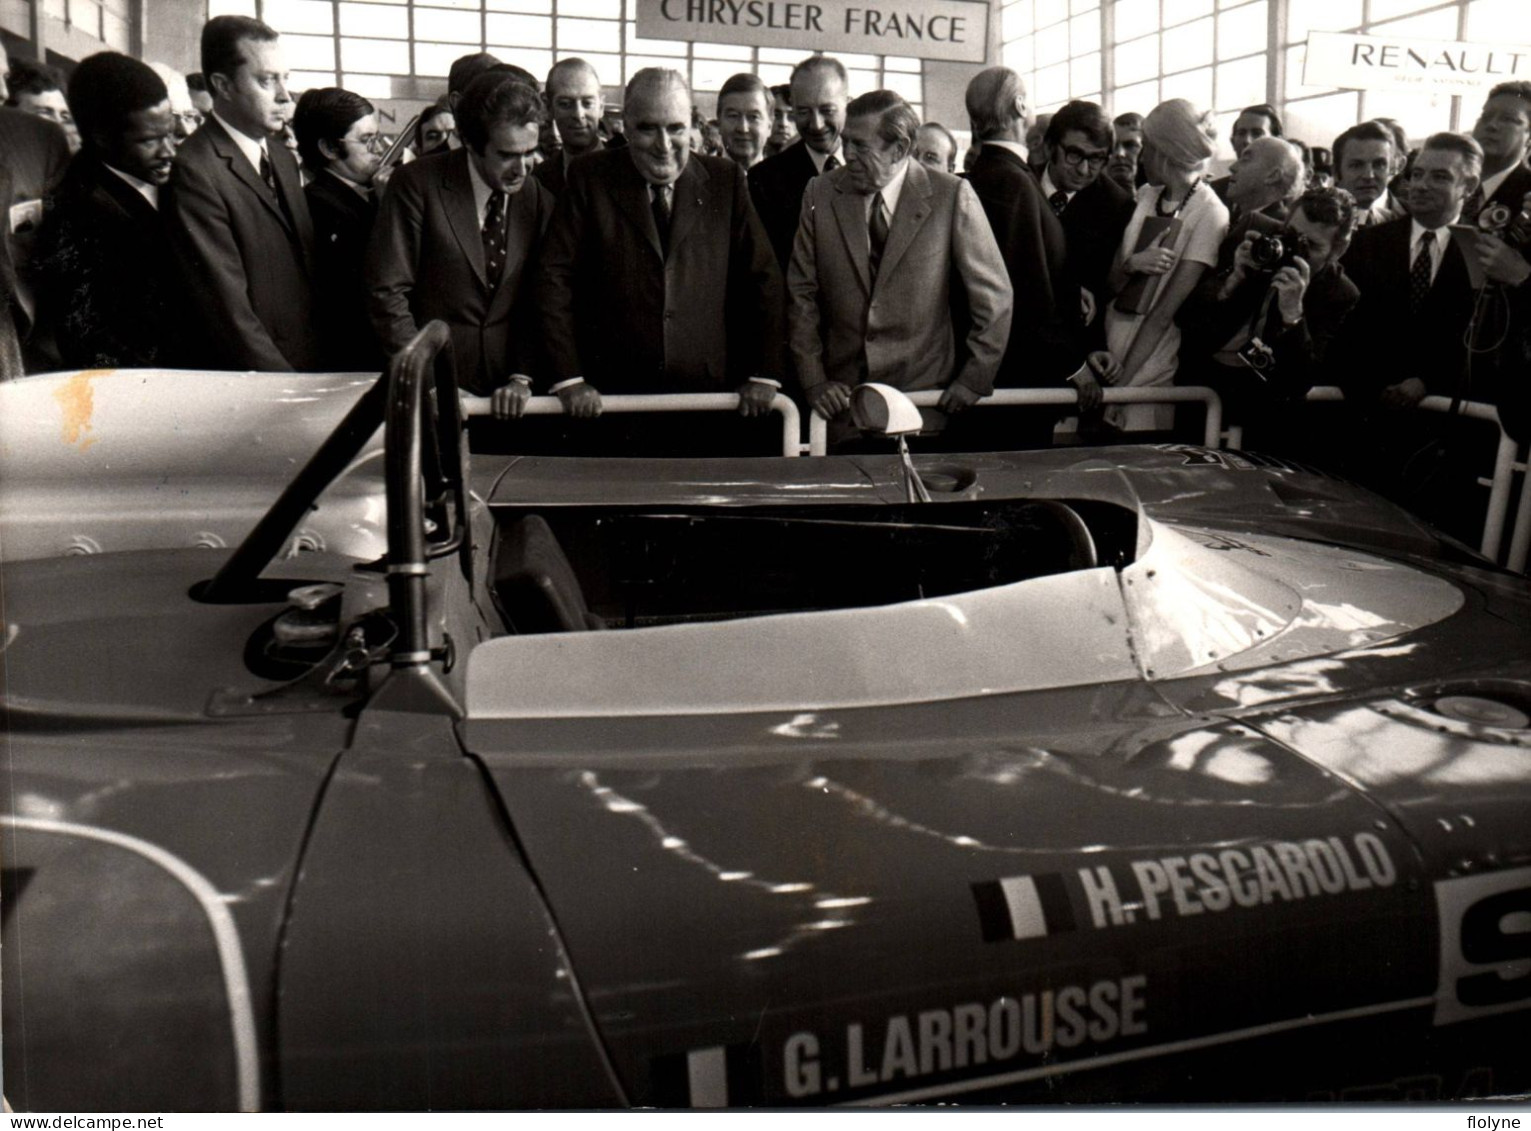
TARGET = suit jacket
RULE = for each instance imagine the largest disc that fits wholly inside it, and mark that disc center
(108, 291)
(1094, 221)
(426, 260)
(552, 174)
(620, 311)
(245, 254)
(1208, 321)
(1046, 342)
(1510, 193)
(1383, 341)
(343, 221)
(776, 187)
(35, 154)
(898, 331)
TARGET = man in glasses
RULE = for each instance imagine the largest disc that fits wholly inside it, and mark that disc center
(339, 143)
(1093, 209)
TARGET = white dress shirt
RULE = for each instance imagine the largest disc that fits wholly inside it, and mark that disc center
(252, 149)
(1048, 188)
(890, 193)
(1437, 246)
(149, 192)
(818, 158)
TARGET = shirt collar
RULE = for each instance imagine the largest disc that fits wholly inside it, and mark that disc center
(251, 148)
(818, 158)
(1014, 147)
(892, 190)
(1048, 188)
(482, 189)
(1491, 184)
(360, 190)
(1416, 229)
(145, 189)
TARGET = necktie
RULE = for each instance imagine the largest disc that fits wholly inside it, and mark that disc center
(1474, 205)
(831, 163)
(1419, 274)
(494, 239)
(267, 174)
(661, 204)
(1059, 200)
(877, 233)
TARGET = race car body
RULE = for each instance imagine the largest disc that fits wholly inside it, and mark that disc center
(1152, 774)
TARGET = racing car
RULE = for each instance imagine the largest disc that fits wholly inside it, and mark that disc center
(1135, 774)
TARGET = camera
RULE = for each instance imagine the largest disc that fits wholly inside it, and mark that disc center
(1259, 357)
(1501, 221)
(1272, 253)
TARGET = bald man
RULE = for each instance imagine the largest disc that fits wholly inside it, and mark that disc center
(657, 276)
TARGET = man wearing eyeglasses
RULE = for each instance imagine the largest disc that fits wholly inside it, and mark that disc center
(1093, 209)
(339, 143)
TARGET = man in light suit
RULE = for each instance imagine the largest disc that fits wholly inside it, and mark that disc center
(458, 239)
(239, 224)
(869, 288)
(658, 276)
(820, 89)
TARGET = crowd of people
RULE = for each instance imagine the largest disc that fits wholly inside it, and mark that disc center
(803, 241)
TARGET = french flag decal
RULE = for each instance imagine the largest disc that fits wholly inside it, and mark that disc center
(1023, 907)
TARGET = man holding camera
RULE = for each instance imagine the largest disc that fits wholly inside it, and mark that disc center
(1258, 329)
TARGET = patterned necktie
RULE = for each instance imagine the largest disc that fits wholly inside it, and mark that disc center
(1474, 205)
(660, 196)
(1419, 274)
(1059, 200)
(494, 239)
(877, 233)
(267, 173)
(831, 163)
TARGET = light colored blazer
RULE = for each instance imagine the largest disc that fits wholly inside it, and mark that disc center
(903, 324)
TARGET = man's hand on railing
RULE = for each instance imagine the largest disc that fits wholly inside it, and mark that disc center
(508, 402)
(581, 401)
(830, 399)
(957, 397)
(1406, 394)
(755, 398)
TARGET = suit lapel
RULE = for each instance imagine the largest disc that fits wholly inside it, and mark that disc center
(633, 198)
(688, 202)
(290, 185)
(243, 171)
(913, 208)
(462, 214)
(850, 211)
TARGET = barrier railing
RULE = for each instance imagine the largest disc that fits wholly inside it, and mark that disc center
(818, 427)
(1499, 486)
(791, 422)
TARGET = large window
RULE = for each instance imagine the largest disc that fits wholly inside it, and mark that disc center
(1225, 54)
(404, 48)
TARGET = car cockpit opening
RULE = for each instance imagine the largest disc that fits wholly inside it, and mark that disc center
(570, 570)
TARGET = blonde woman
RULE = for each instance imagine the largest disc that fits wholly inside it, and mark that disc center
(1171, 240)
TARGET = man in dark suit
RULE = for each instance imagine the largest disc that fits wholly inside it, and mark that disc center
(1503, 129)
(1259, 335)
(820, 92)
(33, 155)
(458, 239)
(1094, 209)
(238, 221)
(1404, 340)
(658, 276)
(341, 148)
(109, 293)
(1046, 346)
(573, 96)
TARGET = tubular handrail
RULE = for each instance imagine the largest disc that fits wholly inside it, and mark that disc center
(1499, 486)
(411, 374)
(818, 427)
(791, 423)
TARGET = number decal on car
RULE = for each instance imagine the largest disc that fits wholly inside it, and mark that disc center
(1485, 945)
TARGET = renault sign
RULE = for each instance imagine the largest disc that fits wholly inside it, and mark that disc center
(1429, 66)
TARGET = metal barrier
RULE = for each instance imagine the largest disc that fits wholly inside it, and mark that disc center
(1499, 485)
(818, 427)
(791, 422)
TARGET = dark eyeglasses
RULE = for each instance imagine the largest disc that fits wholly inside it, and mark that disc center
(1072, 155)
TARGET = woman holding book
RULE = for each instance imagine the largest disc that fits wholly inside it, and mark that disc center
(1170, 241)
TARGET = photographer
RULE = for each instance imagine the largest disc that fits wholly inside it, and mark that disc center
(1258, 329)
